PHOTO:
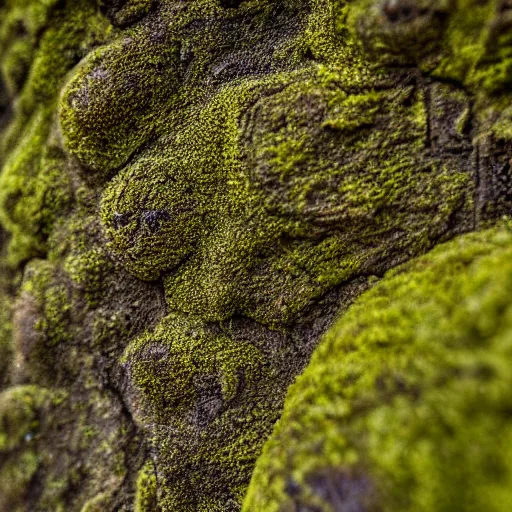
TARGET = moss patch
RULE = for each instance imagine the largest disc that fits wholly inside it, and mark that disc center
(146, 497)
(404, 404)
(34, 186)
(21, 409)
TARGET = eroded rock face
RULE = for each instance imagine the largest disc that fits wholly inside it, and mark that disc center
(190, 192)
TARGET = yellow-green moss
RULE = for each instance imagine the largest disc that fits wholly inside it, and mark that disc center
(34, 186)
(87, 268)
(109, 107)
(191, 189)
(465, 41)
(321, 225)
(125, 13)
(203, 387)
(146, 497)
(15, 477)
(42, 285)
(6, 348)
(99, 503)
(190, 352)
(235, 180)
(405, 404)
(21, 409)
(19, 420)
(19, 33)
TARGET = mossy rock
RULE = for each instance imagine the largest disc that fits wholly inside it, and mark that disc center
(5, 321)
(191, 191)
(405, 404)
(21, 411)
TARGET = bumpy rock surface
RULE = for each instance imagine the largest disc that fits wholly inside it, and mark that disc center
(191, 191)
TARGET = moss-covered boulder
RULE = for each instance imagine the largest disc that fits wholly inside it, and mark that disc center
(405, 404)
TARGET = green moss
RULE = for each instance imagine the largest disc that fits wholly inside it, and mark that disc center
(404, 405)
(466, 42)
(448, 39)
(127, 12)
(146, 497)
(476, 47)
(57, 439)
(19, 408)
(116, 95)
(22, 413)
(43, 286)
(88, 269)
(202, 386)
(35, 189)
(235, 180)
(321, 225)
(5, 323)
(13, 180)
(99, 503)
(255, 164)
(169, 390)
(15, 477)
(154, 223)
(398, 34)
(19, 34)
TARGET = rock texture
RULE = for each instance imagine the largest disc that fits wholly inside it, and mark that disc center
(191, 191)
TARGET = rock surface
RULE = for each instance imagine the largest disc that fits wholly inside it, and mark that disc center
(191, 191)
